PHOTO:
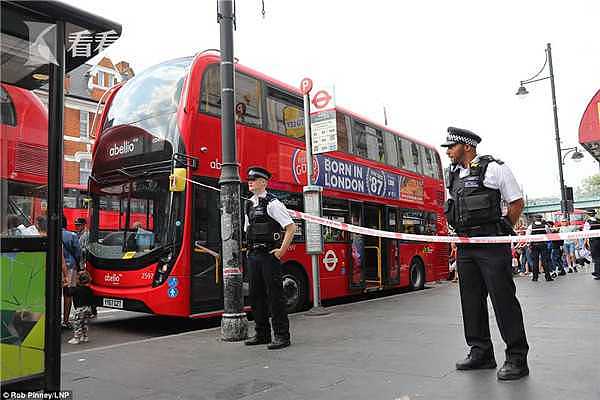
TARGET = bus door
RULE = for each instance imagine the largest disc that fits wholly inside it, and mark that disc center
(391, 249)
(373, 263)
(357, 250)
(205, 264)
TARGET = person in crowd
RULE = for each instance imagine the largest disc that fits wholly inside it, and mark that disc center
(72, 255)
(569, 246)
(41, 223)
(83, 234)
(593, 244)
(83, 299)
(539, 250)
(481, 183)
(556, 254)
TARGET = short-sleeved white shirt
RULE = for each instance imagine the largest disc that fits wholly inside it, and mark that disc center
(497, 176)
(276, 210)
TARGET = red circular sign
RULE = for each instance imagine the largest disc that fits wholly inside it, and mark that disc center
(306, 85)
(321, 99)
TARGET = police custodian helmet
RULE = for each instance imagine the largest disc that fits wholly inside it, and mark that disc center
(258, 172)
(458, 135)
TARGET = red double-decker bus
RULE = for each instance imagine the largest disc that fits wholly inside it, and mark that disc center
(24, 160)
(169, 263)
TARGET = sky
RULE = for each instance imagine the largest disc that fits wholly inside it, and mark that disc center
(432, 64)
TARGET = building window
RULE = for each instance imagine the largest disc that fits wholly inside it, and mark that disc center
(83, 124)
(85, 169)
(100, 79)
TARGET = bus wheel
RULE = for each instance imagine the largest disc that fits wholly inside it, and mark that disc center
(294, 288)
(417, 275)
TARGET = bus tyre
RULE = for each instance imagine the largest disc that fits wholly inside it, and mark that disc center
(295, 291)
(416, 275)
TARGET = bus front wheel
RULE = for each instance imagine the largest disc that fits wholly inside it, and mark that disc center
(417, 275)
(294, 288)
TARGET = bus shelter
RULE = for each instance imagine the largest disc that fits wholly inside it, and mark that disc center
(41, 41)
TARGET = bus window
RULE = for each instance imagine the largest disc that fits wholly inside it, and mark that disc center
(335, 210)
(414, 148)
(411, 221)
(7, 109)
(344, 130)
(437, 165)
(426, 160)
(247, 92)
(391, 148)
(285, 114)
(405, 155)
(368, 142)
(210, 100)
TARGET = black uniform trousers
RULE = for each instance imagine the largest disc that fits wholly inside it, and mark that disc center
(539, 250)
(266, 294)
(487, 269)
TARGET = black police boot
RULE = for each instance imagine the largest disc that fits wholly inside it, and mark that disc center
(472, 362)
(256, 340)
(534, 279)
(549, 278)
(513, 369)
(279, 343)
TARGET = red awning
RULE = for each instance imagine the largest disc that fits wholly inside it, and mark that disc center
(589, 128)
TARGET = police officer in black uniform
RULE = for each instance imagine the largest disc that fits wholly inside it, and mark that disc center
(593, 223)
(539, 250)
(265, 218)
(476, 186)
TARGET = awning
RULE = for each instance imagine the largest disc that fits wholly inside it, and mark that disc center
(589, 128)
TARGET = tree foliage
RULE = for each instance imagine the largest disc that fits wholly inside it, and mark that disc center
(590, 187)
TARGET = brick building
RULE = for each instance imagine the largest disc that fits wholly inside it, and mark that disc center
(84, 87)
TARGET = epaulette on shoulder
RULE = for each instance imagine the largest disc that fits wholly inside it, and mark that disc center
(490, 159)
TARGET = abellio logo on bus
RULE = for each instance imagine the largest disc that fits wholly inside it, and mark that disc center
(299, 167)
(125, 148)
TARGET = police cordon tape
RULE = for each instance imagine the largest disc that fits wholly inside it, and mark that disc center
(444, 239)
(434, 239)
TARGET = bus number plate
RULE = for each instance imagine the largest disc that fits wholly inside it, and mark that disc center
(113, 303)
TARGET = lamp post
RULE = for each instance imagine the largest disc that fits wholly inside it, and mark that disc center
(523, 91)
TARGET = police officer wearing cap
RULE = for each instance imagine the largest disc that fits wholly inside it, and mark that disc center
(539, 250)
(593, 223)
(265, 217)
(476, 186)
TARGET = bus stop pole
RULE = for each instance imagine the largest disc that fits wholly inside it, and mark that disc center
(312, 191)
(234, 324)
(52, 335)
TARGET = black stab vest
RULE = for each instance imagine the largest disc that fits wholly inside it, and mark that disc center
(262, 229)
(594, 242)
(477, 209)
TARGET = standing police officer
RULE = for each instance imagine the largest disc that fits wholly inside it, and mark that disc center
(539, 250)
(477, 184)
(265, 217)
(593, 244)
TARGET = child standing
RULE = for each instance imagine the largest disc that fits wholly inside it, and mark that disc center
(83, 299)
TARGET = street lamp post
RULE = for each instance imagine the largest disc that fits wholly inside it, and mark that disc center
(523, 91)
(234, 325)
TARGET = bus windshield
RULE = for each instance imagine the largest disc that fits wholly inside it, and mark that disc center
(133, 218)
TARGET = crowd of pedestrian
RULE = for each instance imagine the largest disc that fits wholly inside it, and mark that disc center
(557, 257)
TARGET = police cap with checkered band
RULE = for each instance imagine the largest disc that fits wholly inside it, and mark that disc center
(457, 135)
(258, 172)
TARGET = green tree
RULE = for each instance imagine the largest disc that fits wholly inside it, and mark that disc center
(590, 187)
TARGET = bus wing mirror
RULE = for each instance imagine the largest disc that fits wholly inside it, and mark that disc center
(177, 180)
